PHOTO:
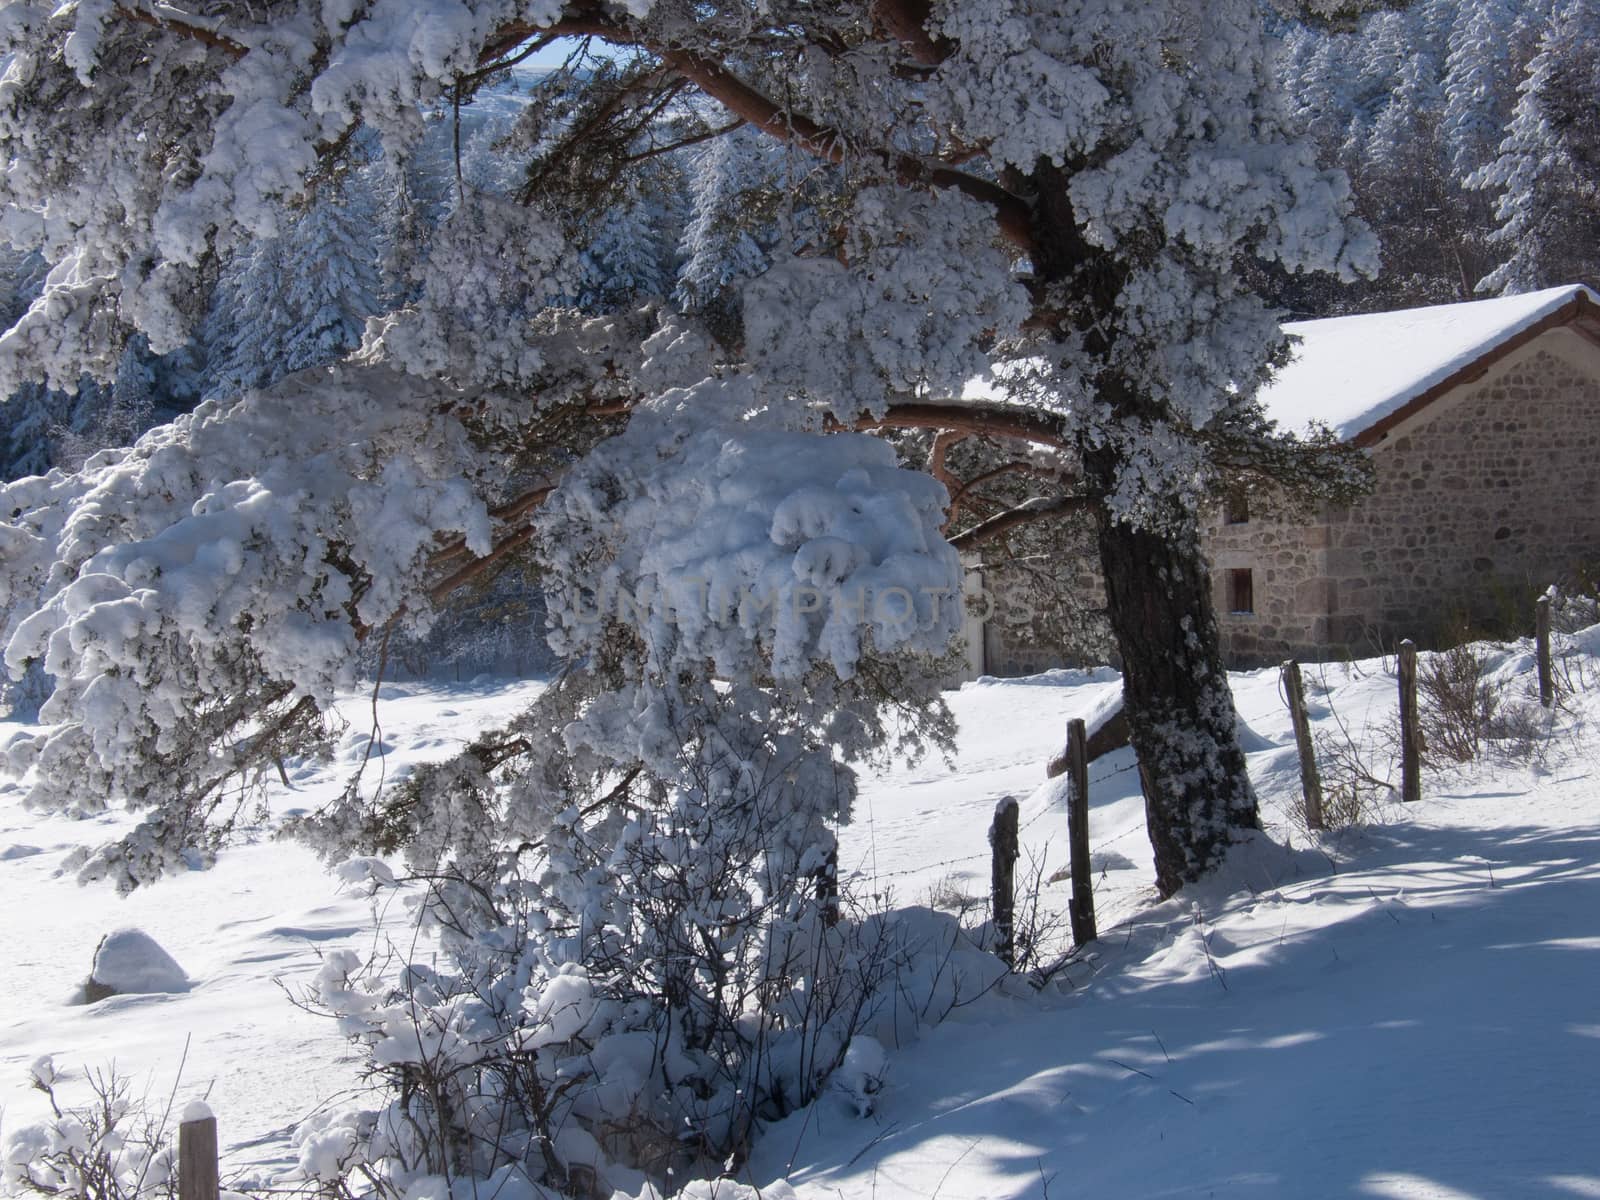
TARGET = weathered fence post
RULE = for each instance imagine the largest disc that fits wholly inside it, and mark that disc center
(1081, 908)
(1310, 781)
(197, 1155)
(1541, 635)
(1410, 732)
(1003, 896)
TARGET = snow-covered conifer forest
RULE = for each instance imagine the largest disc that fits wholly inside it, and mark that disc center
(674, 354)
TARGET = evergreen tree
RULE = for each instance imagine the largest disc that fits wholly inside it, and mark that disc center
(1411, 104)
(721, 244)
(1067, 198)
(109, 415)
(631, 256)
(405, 228)
(1481, 75)
(27, 417)
(1546, 177)
(302, 299)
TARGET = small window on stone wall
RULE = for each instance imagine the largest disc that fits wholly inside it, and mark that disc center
(1241, 591)
(1236, 509)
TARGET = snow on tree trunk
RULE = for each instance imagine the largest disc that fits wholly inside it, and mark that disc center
(1180, 710)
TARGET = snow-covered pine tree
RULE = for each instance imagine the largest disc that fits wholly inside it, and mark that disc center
(720, 247)
(404, 229)
(1546, 175)
(331, 272)
(1409, 104)
(34, 411)
(1490, 44)
(1134, 229)
(111, 414)
(300, 299)
(632, 252)
(750, 590)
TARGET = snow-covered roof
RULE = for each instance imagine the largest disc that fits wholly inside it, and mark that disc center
(1350, 373)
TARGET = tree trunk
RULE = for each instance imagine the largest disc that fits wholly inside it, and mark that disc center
(1175, 694)
(1158, 592)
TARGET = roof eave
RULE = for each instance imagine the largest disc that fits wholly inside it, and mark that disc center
(1581, 312)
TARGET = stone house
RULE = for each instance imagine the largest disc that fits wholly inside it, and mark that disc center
(1482, 421)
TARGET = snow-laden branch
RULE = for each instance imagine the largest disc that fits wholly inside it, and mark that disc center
(1039, 508)
(170, 19)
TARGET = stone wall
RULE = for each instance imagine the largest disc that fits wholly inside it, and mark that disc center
(1482, 499)
(1045, 609)
(1484, 504)
(1294, 603)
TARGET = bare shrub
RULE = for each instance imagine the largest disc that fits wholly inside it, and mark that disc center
(948, 895)
(1521, 730)
(1040, 932)
(1465, 713)
(1356, 769)
(1347, 800)
(115, 1146)
(1457, 705)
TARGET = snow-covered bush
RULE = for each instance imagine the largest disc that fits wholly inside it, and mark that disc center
(1575, 601)
(632, 882)
(613, 1019)
(113, 1147)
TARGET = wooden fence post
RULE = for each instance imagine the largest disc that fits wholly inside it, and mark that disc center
(1081, 908)
(1310, 781)
(1003, 896)
(1410, 733)
(1541, 634)
(197, 1155)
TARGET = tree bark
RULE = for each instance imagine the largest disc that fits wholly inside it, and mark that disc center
(1197, 793)
(1158, 590)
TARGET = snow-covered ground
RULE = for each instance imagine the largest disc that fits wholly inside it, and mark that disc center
(1408, 1009)
(248, 933)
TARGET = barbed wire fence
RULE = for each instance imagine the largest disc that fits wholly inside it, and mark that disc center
(878, 878)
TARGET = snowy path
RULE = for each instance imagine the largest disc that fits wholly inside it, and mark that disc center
(1414, 1012)
(1402, 1029)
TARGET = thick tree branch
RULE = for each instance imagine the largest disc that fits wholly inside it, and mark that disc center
(1005, 468)
(581, 20)
(512, 510)
(943, 442)
(907, 22)
(831, 145)
(749, 104)
(965, 418)
(1037, 509)
(460, 578)
(171, 20)
(987, 420)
